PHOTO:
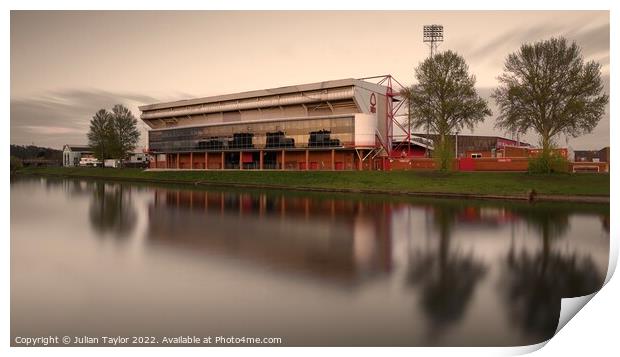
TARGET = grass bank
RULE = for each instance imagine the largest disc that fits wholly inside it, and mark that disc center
(464, 183)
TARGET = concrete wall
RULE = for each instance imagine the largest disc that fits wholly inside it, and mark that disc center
(365, 129)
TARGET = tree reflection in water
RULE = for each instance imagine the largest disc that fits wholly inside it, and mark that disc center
(111, 210)
(447, 276)
(605, 222)
(533, 284)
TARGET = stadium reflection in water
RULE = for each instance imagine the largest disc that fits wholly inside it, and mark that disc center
(313, 269)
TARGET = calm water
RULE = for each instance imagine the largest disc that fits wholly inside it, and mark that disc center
(90, 258)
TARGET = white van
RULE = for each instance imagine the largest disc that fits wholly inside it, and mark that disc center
(89, 162)
(111, 163)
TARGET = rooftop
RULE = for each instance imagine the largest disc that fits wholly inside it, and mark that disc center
(78, 147)
(431, 135)
(269, 92)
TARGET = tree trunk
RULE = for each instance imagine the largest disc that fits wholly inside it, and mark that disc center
(443, 153)
(546, 152)
(546, 143)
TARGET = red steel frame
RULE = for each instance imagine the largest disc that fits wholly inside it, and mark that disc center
(390, 95)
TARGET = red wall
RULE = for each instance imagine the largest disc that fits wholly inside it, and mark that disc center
(481, 152)
(514, 151)
(562, 152)
(414, 151)
(482, 164)
(322, 160)
(501, 164)
(412, 164)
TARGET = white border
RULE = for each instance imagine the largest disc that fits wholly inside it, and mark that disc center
(593, 329)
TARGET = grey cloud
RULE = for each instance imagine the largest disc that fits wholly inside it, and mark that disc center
(592, 40)
(60, 117)
(512, 37)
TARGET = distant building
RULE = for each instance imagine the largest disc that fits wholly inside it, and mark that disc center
(592, 155)
(478, 146)
(416, 147)
(137, 159)
(592, 160)
(72, 154)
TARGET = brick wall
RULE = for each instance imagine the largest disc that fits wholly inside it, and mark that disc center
(214, 161)
(501, 164)
(412, 164)
(513, 151)
(481, 164)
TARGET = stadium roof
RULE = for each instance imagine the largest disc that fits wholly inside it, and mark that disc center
(269, 92)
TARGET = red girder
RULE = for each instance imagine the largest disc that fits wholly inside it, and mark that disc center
(391, 110)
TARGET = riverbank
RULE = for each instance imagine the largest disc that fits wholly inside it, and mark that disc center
(486, 185)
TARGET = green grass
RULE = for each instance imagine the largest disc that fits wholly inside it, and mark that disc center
(490, 183)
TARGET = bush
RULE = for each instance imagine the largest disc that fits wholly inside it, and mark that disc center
(16, 164)
(547, 163)
(443, 154)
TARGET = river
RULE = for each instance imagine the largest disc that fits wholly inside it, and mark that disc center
(93, 258)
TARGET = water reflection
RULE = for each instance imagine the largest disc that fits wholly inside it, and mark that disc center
(111, 211)
(315, 269)
(447, 276)
(333, 239)
(605, 222)
(533, 283)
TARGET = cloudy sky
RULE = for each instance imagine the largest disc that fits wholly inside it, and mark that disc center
(67, 65)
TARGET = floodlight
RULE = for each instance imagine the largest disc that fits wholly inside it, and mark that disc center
(433, 33)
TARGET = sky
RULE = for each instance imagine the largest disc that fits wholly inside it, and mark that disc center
(66, 65)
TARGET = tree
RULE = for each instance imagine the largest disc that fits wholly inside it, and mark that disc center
(100, 135)
(32, 152)
(547, 87)
(16, 164)
(444, 100)
(125, 132)
(406, 92)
